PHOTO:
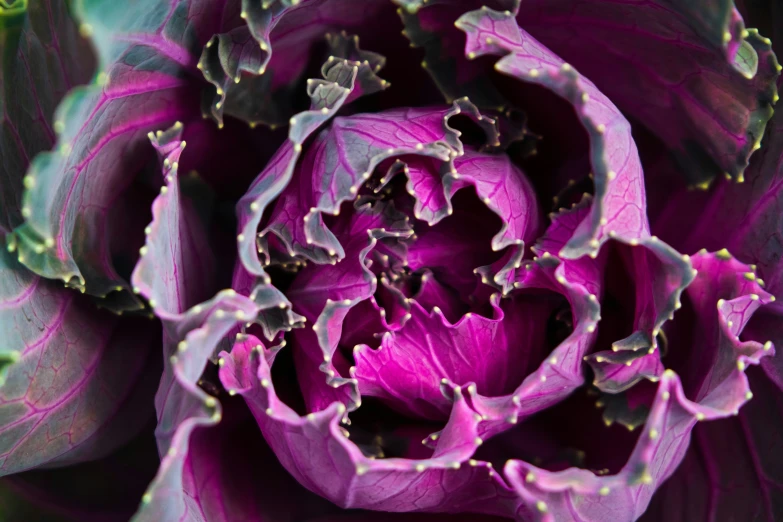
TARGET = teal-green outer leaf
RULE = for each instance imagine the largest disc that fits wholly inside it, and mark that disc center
(147, 80)
(42, 56)
(75, 381)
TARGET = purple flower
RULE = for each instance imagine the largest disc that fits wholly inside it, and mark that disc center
(400, 260)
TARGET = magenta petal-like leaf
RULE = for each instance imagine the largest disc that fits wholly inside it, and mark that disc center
(183, 406)
(505, 190)
(173, 274)
(659, 274)
(709, 367)
(233, 475)
(407, 369)
(560, 372)
(765, 326)
(324, 295)
(308, 446)
(498, 183)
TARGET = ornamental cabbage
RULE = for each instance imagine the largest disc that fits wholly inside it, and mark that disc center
(397, 260)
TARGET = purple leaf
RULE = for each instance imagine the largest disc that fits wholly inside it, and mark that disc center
(102, 490)
(176, 267)
(561, 372)
(658, 274)
(143, 84)
(709, 384)
(232, 474)
(498, 183)
(256, 66)
(706, 351)
(43, 57)
(181, 405)
(765, 325)
(743, 218)
(342, 158)
(706, 86)
(505, 190)
(619, 205)
(732, 470)
(407, 369)
(314, 447)
(192, 335)
(342, 81)
(325, 294)
(433, 293)
(585, 270)
(173, 274)
(75, 380)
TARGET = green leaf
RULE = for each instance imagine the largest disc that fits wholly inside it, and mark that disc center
(42, 56)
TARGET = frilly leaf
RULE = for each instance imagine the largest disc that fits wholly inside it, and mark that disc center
(619, 204)
(325, 294)
(172, 274)
(715, 389)
(660, 275)
(707, 85)
(191, 340)
(502, 187)
(255, 85)
(560, 372)
(732, 469)
(308, 445)
(408, 367)
(342, 158)
(342, 78)
(176, 264)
